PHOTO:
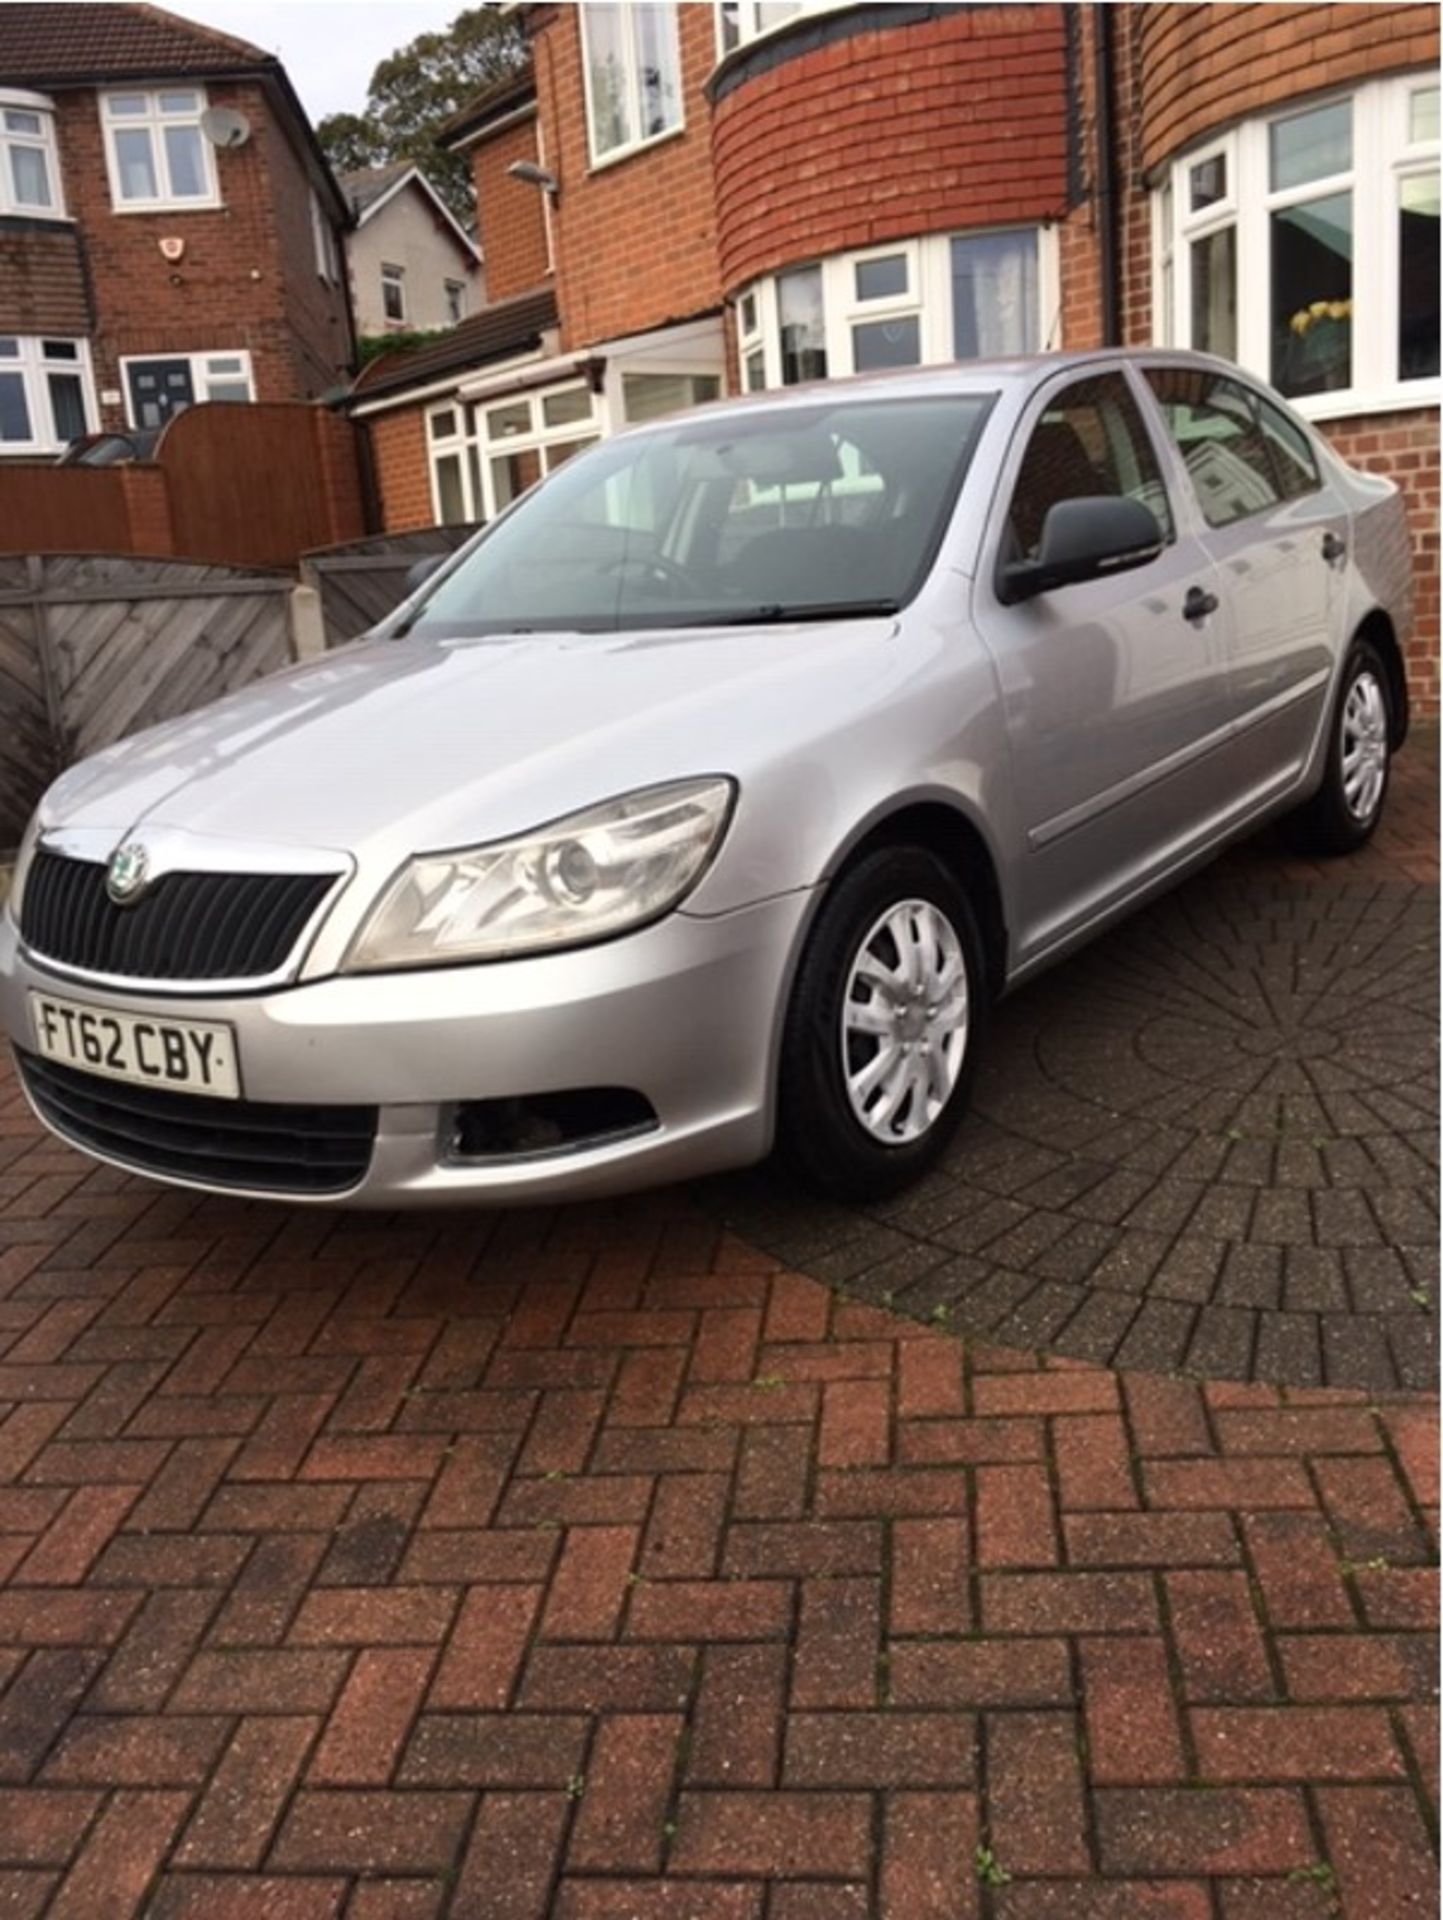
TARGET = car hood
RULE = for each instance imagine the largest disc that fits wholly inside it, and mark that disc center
(394, 747)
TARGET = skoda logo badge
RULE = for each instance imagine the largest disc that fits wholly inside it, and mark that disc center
(125, 877)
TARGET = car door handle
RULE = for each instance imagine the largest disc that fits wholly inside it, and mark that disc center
(1199, 604)
(1335, 547)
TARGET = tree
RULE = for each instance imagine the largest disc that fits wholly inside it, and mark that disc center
(415, 91)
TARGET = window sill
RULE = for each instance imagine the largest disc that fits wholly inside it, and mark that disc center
(1419, 396)
(167, 206)
(619, 155)
(37, 216)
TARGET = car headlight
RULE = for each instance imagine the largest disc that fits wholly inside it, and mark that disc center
(596, 873)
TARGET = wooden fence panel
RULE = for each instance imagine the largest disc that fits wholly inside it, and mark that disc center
(362, 582)
(94, 647)
(47, 509)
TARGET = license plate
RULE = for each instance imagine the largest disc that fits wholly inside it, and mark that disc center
(192, 1056)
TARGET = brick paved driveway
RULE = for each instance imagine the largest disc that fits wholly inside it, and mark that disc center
(597, 1565)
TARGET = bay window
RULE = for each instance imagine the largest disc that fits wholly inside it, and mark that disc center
(632, 71)
(741, 21)
(29, 162)
(46, 395)
(1304, 245)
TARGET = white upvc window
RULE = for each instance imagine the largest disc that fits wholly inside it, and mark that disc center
(1304, 245)
(631, 61)
(157, 156)
(158, 386)
(455, 292)
(47, 396)
(29, 160)
(739, 22)
(323, 242)
(906, 303)
(393, 293)
(485, 453)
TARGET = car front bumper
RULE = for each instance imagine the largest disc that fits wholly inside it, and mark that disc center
(686, 1013)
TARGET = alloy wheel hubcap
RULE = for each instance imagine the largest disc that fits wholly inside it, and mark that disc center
(905, 1022)
(1365, 746)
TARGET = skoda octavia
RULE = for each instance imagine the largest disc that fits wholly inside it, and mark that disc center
(708, 799)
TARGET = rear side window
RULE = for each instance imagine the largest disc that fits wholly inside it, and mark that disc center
(1089, 444)
(1242, 455)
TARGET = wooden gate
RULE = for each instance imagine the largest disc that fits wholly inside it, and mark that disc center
(361, 582)
(94, 647)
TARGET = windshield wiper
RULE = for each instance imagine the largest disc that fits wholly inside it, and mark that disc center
(777, 614)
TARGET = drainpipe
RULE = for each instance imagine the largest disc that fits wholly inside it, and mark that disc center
(1105, 177)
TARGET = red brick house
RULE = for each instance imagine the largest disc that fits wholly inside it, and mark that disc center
(169, 228)
(753, 194)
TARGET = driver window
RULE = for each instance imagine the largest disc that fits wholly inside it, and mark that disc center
(1090, 443)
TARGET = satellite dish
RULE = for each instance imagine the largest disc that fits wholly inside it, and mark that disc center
(224, 127)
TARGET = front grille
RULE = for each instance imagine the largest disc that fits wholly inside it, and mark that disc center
(186, 926)
(267, 1147)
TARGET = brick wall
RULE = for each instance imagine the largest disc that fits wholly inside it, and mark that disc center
(1204, 65)
(247, 278)
(403, 478)
(635, 239)
(957, 122)
(510, 213)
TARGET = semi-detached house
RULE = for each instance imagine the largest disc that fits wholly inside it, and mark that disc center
(170, 231)
(681, 200)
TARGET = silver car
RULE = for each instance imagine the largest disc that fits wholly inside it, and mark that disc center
(709, 798)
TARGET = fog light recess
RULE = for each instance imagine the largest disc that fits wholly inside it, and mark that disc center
(545, 1123)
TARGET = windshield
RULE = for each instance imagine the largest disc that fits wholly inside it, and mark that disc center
(728, 518)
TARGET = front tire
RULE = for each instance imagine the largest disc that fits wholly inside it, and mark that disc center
(1343, 814)
(884, 1026)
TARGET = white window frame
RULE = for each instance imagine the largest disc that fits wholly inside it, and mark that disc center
(470, 442)
(1383, 158)
(393, 276)
(928, 296)
(34, 368)
(201, 375)
(635, 143)
(154, 122)
(13, 100)
(749, 24)
(460, 289)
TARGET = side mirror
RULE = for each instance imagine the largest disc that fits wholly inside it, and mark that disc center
(420, 571)
(1082, 540)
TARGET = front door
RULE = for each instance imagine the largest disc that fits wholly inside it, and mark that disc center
(1114, 688)
(159, 389)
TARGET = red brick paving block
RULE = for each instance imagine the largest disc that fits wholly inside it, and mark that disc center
(280, 1443)
(260, 1508)
(883, 1493)
(484, 1653)
(381, 1456)
(1378, 1849)
(179, 1493)
(928, 1853)
(663, 1450)
(357, 1831)
(30, 1509)
(1093, 1464)
(65, 1552)
(892, 1748)
(726, 1345)
(1179, 1830)
(968, 1443)
(1219, 1642)
(647, 1388)
(766, 1403)
(610, 1499)
(828, 1362)
(596, 1679)
(171, 1560)
(710, 1610)
(835, 1661)
(797, 1309)
(1104, 1900)
(589, 1585)
(1300, 1899)
(855, 1430)
(1016, 1521)
(1080, 1391)
(294, 1680)
(1362, 1666)
(269, 1588)
(1299, 1430)
(460, 1354)
(397, 1900)
(481, 1410)
(512, 1857)
(818, 1900)
(809, 1548)
(1133, 1738)
(1399, 1596)
(1421, 1728)
(470, 1482)
(1302, 1583)
(575, 1367)
(206, 1896)
(773, 1833)
(495, 1750)
(370, 1721)
(234, 1821)
(62, 1617)
(1370, 1516)
(659, 1900)
(479, 1556)
(120, 1856)
(563, 1430)
(131, 1750)
(153, 1654)
(684, 1529)
(1252, 1484)
(1068, 1603)
(1035, 1815)
(42, 1826)
(38, 1702)
(929, 1379)
(77, 1463)
(1151, 1540)
(1294, 1743)
(981, 1673)
(1414, 1432)
(737, 1723)
(23, 1432)
(619, 1821)
(929, 1592)
(647, 1327)
(1166, 1416)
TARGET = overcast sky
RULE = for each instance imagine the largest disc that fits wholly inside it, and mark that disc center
(330, 47)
